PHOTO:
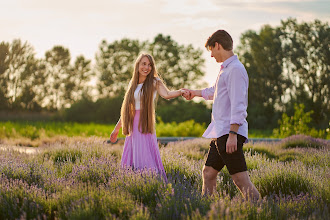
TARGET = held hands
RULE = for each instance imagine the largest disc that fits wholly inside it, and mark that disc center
(187, 93)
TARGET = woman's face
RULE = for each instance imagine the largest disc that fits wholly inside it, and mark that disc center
(144, 67)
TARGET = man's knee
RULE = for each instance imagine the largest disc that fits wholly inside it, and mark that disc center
(241, 179)
(209, 173)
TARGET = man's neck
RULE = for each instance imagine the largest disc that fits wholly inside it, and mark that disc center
(227, 55)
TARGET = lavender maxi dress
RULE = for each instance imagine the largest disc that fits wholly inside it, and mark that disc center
(141, 150)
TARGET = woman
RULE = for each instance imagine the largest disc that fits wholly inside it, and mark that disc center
(138, 117)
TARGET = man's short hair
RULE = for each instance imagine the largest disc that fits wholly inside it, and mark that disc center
(222, 38)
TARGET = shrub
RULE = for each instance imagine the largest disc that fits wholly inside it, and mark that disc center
(297, 124)
(303, 141)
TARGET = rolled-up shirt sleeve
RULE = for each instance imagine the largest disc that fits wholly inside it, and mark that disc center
(237, 90)
(208, 93)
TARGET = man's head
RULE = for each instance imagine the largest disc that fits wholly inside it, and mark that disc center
(221, 37)
(220, 44)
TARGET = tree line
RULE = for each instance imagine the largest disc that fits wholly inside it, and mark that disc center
(56, 83)
(286, 64)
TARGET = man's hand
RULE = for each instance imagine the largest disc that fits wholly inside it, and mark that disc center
(113, 136)
(188, 94)
(231, 145)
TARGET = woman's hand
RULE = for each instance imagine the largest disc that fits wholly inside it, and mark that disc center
(113, 136)
(187, 94)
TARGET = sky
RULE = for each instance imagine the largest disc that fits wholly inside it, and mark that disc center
(81, 25)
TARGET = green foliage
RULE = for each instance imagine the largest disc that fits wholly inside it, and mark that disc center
(179, 110)
(40, 131)
(183, 129)
(114, 65)
(32, 84)
(18, 76)
(64, 83)
(306, 46)
(4, 65)
(67, 156)
(178, 65)
(102, 205)
(261, 54)
(297, 124)
(287, 64)
(34, 130)
(283, 182)
(146, 190)
(105, 110)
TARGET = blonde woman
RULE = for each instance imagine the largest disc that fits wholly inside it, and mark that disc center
(138, 117)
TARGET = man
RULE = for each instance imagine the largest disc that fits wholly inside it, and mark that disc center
(228, 128)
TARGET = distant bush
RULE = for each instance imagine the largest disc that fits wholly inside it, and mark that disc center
(298, 124)
(179, 110)
(303, 141)
(183, 129)
(107, 110)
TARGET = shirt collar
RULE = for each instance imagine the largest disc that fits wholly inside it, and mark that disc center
(228, 61)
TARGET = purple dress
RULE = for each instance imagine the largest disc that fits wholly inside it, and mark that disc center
(141, 150)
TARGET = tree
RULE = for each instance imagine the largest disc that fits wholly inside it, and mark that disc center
(178, 65)
(17, 76)
(65, 83)
(20, 56)
(76, 85)
(298, 123)
(306, 46)
(4, 79)
(57, 62)
(286, 65)
(28, 98)
(262, 55)
(114, 65)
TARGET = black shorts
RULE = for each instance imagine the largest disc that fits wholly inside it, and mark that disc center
(218, 158)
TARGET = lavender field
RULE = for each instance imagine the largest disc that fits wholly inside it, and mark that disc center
(81, 178)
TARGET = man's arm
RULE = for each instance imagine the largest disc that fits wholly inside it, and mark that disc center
(237, 91)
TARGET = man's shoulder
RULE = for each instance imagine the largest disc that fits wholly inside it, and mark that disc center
(237, 64)
(237, 69)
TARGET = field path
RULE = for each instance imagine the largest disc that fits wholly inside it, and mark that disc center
(27, 150)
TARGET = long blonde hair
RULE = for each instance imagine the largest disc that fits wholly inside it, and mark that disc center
(147, 113)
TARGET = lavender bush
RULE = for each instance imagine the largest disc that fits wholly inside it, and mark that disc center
(81, 178)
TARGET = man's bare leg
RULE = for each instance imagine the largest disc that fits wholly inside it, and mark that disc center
(209, 180)
(243, 182)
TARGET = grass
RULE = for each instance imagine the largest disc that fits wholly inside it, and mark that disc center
(81, 178)
(35, 134)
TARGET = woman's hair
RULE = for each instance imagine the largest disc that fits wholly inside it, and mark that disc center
(222, 38)
(147, 113)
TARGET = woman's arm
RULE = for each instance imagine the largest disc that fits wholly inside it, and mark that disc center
(165, 92)
(114, 134)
